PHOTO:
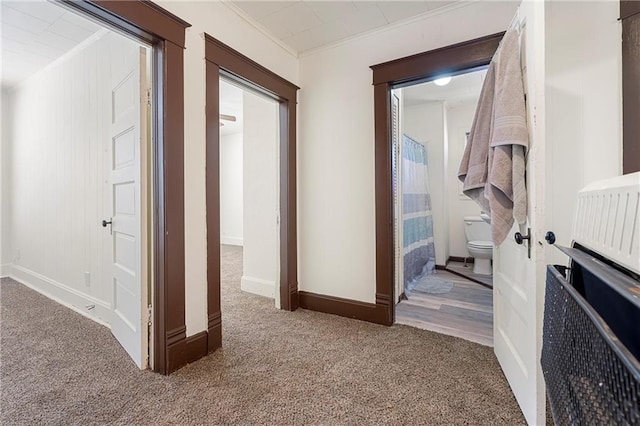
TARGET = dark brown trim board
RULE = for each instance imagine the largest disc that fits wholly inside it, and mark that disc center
(630, 11)
(150, 23)
(629, 8)
(343, 307)
(197, 345)
(412, 69)
(221, 58)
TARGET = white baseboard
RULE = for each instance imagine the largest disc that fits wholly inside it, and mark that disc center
(5, 270)
(232, 241)
(257, 286)
(63, 294)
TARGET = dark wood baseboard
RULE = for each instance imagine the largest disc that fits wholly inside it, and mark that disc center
(202, 344)
(460, 259)
(214, 331)
(176, 349)
(197, 346)
(369, 312)
(441, 267)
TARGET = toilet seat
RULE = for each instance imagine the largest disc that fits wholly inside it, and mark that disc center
(481, 244)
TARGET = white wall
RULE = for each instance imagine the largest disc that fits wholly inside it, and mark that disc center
(219, 21)
(231, 205)
(260, 163)
(584, 106)
(336, 216)
(424, 123)
(5, 175)
(459, 118)
(59, 168)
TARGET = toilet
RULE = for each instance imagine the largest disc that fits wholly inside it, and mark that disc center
(478, 233)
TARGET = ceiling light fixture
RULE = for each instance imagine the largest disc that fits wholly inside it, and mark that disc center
(442, 81)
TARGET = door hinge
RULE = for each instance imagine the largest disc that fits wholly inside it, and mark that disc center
(150, 315)
(148, 97)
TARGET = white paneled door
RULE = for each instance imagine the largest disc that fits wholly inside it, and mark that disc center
(519, 270)
(127, 149)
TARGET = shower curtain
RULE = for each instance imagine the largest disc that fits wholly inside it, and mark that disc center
(417, 222)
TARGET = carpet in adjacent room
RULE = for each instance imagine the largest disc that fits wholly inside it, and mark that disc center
(275, 367)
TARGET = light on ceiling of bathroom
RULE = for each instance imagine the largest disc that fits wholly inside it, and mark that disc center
(442, 81)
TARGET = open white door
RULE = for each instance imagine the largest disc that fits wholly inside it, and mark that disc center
(127, 150)
(519, 278)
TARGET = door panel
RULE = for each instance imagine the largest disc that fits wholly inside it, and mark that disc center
(518, 279)
(127, 148)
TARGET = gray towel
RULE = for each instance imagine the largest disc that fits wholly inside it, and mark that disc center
(493, 165)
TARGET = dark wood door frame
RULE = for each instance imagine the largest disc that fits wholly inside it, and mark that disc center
(152, 24)
(425, 66)
(221, 58)
(630, 17)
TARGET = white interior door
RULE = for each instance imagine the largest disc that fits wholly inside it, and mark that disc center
(519, 279)
(127, 148)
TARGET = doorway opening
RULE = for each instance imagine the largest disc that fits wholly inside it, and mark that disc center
(438, 231)
(80, 146)
(427, 66)
(249, 193)
(94, 144)
(222, 60)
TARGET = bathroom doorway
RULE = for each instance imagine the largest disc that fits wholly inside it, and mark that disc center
(442, 239)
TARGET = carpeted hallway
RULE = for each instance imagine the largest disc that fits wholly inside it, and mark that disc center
(275, 367)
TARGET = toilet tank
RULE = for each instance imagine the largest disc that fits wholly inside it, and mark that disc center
(476, 229)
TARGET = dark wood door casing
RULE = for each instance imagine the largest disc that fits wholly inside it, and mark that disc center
(221, 58)
(630, 16)
(166, 33)
(425, 66)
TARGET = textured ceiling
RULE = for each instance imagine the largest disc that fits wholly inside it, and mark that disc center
(34, 34)
(305, 24)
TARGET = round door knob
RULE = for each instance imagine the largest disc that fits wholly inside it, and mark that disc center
(550, 237)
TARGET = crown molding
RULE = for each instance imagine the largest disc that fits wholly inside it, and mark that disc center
(258, 26)
(389, 27)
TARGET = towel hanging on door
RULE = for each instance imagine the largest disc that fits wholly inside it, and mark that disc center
(493, 165)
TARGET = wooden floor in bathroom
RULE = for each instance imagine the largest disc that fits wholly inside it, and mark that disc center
(466, 311)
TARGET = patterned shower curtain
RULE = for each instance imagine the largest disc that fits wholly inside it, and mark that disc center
(418, 249)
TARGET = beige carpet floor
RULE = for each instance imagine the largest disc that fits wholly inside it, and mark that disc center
(276, 367)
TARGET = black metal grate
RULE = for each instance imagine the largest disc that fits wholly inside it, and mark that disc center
(591, 378)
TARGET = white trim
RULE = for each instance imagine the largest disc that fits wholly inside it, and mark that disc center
(5, 270)
(232, 241)
(63, 294)
(258, 286)
(251, 21)
(68, 54)
(389, 27)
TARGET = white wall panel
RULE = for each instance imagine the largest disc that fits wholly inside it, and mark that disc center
(59, 173)
(459, 119)
(260, 190)
(584, 106)
(5, 185)
(231, 178)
